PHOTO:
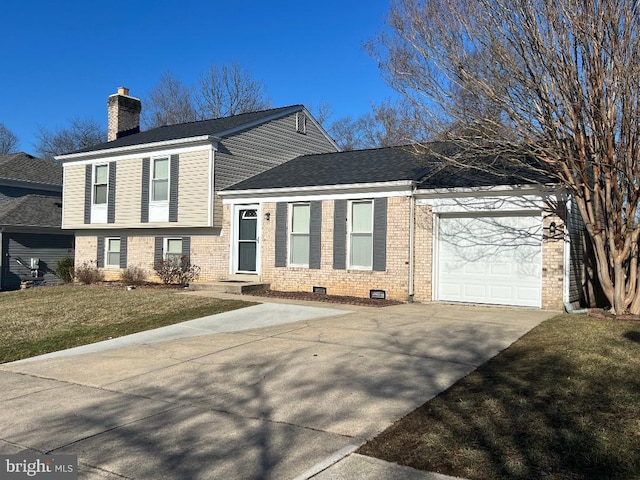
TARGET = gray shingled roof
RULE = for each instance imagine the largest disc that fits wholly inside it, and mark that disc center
(27, 168)
(215, 127)
(32, 210)
(380, 165)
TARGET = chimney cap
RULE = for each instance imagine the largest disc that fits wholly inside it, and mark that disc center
(123, 91)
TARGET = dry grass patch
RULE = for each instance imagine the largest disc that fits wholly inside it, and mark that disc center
(561, 403)
(41, 320)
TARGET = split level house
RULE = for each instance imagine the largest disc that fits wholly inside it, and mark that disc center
(31, 240)
(269, 196)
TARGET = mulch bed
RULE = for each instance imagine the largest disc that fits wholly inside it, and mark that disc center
(606, 315)
(318, 297)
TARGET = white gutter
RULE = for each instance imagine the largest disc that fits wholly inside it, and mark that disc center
(269, 192)
(141, 146)
(457, 191)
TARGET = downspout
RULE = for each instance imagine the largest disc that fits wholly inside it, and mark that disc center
(568, 308)
(412, 207)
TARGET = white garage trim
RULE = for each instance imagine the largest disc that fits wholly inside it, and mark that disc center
(493, 258)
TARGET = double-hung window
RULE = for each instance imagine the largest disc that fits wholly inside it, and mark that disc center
(112, 254)
(160, 180)
(361, 234)
(299, 244)
(100, 184)
(173, 249)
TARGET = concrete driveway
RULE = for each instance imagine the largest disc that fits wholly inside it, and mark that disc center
(284, 401)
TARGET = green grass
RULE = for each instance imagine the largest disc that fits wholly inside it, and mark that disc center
(561, 403)
(47, 319)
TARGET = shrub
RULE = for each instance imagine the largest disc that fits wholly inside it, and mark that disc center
(64, 269)
(133, 276)
(88, 273)
(176, 271)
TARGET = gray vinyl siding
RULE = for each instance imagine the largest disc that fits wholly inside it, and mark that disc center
(281, 235)
(174, 175)
(253, 151)
(380, 234)
(10, 192)
(576, 231)
(340, 235)
(49, 248)
(315, 234)
(88, 175)
(144, 203)
(111, 197)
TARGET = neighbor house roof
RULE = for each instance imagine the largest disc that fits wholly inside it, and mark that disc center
(217, 127)
(32, 211)
(429, 168)
(27, 168)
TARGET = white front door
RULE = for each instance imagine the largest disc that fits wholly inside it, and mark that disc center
(246, 239)
(490, 259)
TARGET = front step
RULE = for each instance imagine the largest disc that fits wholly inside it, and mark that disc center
(231, 285)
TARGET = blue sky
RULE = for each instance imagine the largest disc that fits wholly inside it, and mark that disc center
(61, 60)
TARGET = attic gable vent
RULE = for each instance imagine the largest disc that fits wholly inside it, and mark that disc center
(301, 123)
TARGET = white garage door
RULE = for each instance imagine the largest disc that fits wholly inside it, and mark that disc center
(489, 259)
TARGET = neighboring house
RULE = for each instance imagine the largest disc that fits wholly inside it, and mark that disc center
(31, 240)
(390, 222)
(144, 196)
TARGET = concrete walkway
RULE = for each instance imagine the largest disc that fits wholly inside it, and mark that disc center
(220, 398)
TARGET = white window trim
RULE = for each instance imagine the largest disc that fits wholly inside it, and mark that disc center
(290, 235)
(165, 246)
(98, 210)
(107, 251)
(350, 265)
(151, 179)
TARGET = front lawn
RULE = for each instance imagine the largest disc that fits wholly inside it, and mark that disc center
(47, 319)
(561, 403)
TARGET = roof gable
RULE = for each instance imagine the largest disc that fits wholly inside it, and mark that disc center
(23, 167)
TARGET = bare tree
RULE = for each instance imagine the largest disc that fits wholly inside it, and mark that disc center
(562, 77)
(8, 140)
(168, 103)
(229, 90)
(81, 133)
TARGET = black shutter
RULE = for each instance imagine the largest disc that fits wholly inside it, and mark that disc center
(281, 235)
(339, 234)
(144, 207)
(100, 253)
(173, 189)
(123, 252)
(315, 232)
(111, 197)
(380, 234)
(88, 175)
(157, 251)
(186, 247)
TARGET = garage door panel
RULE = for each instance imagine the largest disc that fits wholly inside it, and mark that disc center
(490, 259)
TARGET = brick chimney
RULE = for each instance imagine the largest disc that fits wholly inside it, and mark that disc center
(124, 114)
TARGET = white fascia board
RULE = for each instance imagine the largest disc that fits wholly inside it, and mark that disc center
(481, 191)
(322, 192)
(179, 145)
